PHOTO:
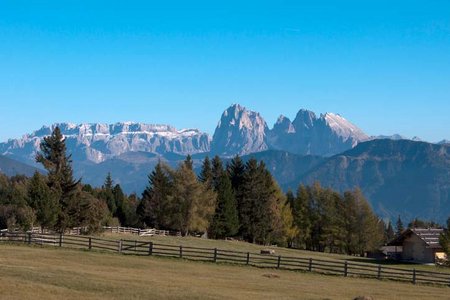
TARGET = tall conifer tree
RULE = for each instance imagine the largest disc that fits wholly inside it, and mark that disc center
(236, 173)
(225, 222)
(205, 175)
(60, 177)
(43, 201)
(154, 206)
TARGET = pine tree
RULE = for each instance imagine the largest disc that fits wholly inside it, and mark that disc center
(206, 176)
(257, 203)
(43, 201)
(108, 196)
(225, 222)
(60, 178)
(390, 234)
(399, 226)
(217, 171)
(126, 212)
(236, 173)
(154, 209)
(188, 162)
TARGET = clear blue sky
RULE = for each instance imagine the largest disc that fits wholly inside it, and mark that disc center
(384, 65)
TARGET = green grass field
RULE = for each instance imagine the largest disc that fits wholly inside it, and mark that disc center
(248, 247)
(29, 272)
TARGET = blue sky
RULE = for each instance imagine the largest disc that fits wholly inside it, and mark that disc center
(384, 65)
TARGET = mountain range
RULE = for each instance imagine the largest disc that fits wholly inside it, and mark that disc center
(398, 176)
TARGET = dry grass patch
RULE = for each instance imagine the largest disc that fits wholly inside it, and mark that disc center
(47, 273)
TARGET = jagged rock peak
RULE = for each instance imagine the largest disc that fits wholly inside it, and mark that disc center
(283, 124)
(305, 118)
(239, 131)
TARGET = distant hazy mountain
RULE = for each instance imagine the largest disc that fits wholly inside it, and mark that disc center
(130, 169)
(394, 137)
(399, 177)
(444, 142)
(287, 167)
(100, 142)
(11, 167)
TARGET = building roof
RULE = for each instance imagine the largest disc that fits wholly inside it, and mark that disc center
(429, 235)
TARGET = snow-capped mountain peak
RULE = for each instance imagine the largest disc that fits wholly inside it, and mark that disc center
(97, 142)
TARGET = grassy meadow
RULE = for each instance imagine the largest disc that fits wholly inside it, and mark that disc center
(248, 247)
(54, 273)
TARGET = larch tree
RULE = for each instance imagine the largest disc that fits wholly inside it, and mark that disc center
(191, 203)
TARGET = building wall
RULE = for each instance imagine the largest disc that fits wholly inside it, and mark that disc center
(414, 249)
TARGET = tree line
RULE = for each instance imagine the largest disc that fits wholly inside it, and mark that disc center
(226, 199)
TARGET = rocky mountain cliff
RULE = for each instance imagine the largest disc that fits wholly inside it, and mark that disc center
(100, 142)
(241, 131)
(308, 134)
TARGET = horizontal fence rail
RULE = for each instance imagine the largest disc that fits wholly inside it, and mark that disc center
(113, 229)
(148, 248)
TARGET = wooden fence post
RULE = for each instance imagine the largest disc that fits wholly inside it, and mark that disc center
(345, 269)
(29, 238)
(215, 254)
(60, 239)
(310, 265)
(248, 258)
(414, 276)
(90, 243)
(181, 251)
(279, 261)
(379, 272)
(150, 248)
(119, 249)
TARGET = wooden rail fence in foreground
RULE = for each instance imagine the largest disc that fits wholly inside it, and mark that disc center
(147, 248)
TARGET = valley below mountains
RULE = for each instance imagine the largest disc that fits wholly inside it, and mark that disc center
(398, 176)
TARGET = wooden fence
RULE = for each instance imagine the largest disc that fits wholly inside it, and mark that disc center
(113, 229)
(147, 248)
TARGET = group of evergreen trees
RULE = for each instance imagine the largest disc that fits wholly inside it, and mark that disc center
(57, 201)
(237, 199)
(223, 201)
(243, 200)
